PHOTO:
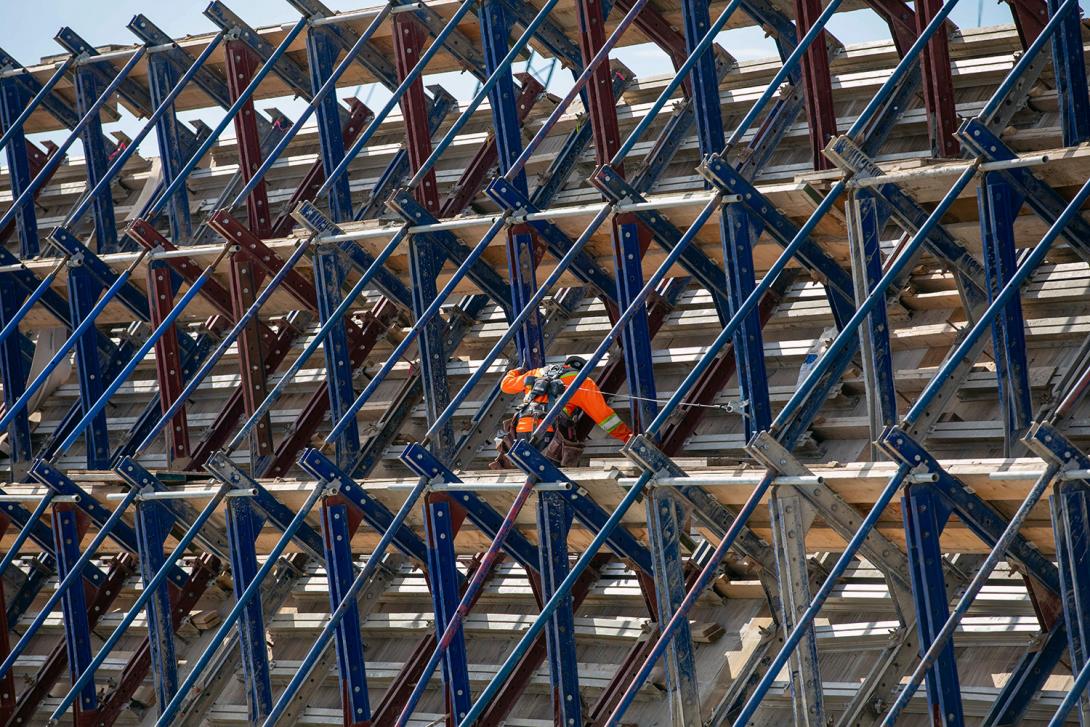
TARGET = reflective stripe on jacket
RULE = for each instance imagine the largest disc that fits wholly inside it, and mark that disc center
(588, 398)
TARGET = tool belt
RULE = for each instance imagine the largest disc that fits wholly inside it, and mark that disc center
(562, 447)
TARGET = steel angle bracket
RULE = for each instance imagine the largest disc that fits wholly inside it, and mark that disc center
(291, 72)
(220, 466)
(977, 514)
(882, 552)
(509, 197)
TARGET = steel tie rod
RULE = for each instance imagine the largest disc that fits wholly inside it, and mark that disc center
(431, 311)
(601, 56)
(24, 532)
(398, 92)
(319, 337)
(228, 117)
(76, 214)
(750, 302)
(529, 309)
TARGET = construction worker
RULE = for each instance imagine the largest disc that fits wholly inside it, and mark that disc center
(540, 388)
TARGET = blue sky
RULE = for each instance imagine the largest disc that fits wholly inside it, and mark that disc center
(31, 25)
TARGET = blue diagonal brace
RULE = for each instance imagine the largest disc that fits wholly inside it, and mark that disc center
(623, 543)
(976, 513)
(1042, 198)
(839, 284)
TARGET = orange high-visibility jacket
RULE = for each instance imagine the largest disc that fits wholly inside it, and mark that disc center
(588, 398)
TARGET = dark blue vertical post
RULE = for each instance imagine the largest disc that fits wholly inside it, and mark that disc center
(496, 22)
(67, 534)
(162, 77)
(925, 515)
(88, 88)
(329, 268)
(865, 222)
(1069, 65)
(83, 292)
(1070, 504)
(152, 528)
(243, 526)
(14, 367)
(737, 228)
(13, 99)
(337, 538)
(999, 204)
(443, 579)
(425, 263)
(162, 282)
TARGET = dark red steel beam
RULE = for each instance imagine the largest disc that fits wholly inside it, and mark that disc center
(221, 429)
(168, 359)
(144, 233)
(358, 117)
(242, 64)
(1030, 17)
(56, 664)
(817, 84)
(206, 568)
(408, 41)
(275, 343)
(901, 20)
(938, 85)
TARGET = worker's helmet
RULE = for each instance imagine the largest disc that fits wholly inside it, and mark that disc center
(575, 362)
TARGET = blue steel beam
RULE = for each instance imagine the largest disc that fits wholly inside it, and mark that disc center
(999, 205)
(925, 516)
